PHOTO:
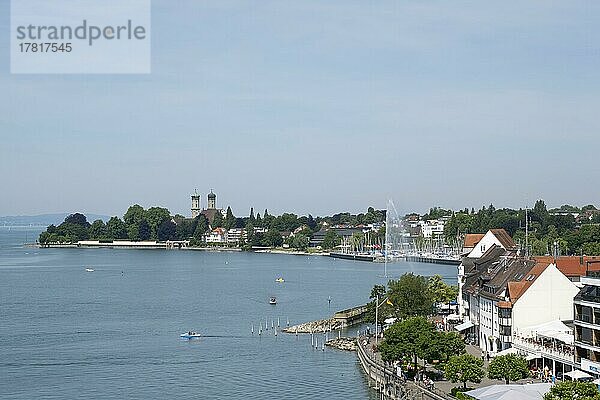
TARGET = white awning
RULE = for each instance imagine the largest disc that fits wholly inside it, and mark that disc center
(532, 357)
(464, 326)
(453, 317)
(533, 391)
(577, 374)
(505, 352)
(549, 329)
(390, 320)
(567, 338)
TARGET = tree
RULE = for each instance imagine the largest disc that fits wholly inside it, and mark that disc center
(406, 338)
(229, 219)
(311, 223)
(144, 231)
(331, 240)
(156, 216)
(249, 235)
(217, 221)
(441, 292)
(134, 215)
(267, 219)
(133, 218)
(465, 368)
(452, 344)
(74, 228)
(442, 345)
(98, 230)
(510, 367)
(201, 227)
(300, 241)
(184, 227)
(116, 229)
(77, 219)
(273, 238)
(410, 296)
(569, 390)
(166, 230)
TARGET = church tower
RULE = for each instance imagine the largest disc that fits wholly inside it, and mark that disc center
(212, 200)
(195, 204)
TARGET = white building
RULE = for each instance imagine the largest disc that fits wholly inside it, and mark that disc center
(544, 295)
(235, 235)
(477, 245)
(217, 235)
(432, 228)
(508, 294)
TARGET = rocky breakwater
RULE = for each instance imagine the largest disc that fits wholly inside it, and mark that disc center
(345, 343)
(320, 326)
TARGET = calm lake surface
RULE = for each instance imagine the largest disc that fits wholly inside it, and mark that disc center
(114, 333)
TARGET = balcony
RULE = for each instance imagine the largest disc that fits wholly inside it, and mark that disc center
(547, 349)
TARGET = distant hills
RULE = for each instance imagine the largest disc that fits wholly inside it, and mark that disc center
(44, 219)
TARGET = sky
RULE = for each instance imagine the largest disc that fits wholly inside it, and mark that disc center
(318, 107)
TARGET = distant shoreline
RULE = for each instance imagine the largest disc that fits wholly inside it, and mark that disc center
(172, 246)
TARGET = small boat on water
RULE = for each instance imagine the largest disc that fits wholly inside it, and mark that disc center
(89, 270)
(273, 300)
(190, 335)
(280, 280)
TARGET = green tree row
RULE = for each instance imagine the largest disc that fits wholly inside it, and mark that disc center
(156, 223)
(545, 228)
(137, 224)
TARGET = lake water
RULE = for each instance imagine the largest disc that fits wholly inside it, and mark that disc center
(114, 333)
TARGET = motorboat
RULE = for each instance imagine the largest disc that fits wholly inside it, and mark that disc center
(280, 280)
(190, 335)
(89, 270)
(273, 300)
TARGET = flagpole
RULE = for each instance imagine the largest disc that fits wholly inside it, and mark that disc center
(377, 305)
(376, 321)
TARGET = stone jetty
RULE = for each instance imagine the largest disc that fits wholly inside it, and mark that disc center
(320, 326)
(345, 343)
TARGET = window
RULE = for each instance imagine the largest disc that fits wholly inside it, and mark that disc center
(586, 314)
(585, 335)
(582, 353)
(504, 312)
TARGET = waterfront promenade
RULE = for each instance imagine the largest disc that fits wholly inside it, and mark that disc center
(384, 379)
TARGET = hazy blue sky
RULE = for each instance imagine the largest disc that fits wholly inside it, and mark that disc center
(318, 106)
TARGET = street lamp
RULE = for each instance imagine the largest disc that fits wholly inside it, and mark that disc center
(377, 305)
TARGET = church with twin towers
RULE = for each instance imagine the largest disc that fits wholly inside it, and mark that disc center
(211, 206)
